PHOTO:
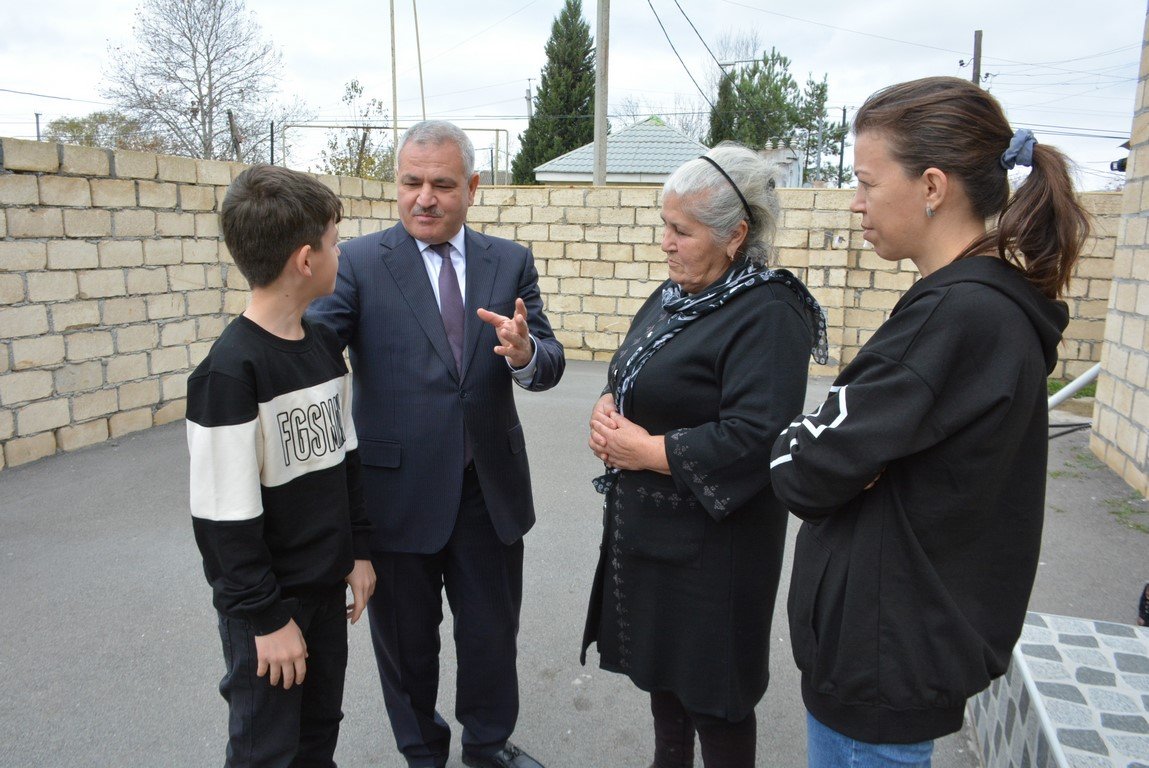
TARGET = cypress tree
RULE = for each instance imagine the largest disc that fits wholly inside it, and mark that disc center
(563, 116)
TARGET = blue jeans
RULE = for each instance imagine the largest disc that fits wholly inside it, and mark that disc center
(826, 748)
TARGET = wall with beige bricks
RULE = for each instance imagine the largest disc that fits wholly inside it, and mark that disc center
(598, 258)
(1121, 409)
(114, 281)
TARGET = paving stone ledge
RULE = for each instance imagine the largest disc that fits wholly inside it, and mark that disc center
(1076, 696)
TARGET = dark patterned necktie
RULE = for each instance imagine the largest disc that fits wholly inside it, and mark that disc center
(451, 303)
(451, 308)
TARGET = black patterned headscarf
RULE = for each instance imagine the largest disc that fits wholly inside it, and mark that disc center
(680, 309)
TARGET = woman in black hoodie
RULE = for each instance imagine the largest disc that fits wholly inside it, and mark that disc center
(921, 479)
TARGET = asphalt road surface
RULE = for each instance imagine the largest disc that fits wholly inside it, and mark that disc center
(109, 654)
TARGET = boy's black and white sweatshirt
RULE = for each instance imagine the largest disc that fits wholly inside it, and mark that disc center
(907, 595)
(277, 507)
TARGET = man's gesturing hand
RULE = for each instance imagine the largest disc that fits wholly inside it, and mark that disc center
(514, 337)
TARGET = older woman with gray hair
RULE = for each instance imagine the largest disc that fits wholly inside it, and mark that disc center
(711, 370)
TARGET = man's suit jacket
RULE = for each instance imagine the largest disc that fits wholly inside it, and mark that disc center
(409, 402)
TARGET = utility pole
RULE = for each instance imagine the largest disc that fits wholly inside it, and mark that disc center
(602, 39)
(977, 57)
(818, 176)
(419, 55)
(842, 150)
(394, 100)
(273, 142)
(530, 100)
(37, 126)
(234, 132)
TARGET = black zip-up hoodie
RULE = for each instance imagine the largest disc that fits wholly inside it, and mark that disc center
(908, 595)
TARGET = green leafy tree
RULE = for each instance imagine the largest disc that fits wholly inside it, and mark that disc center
(756, 103)
(354, 151)
(563, 116)
(109, 129)
(762, 102)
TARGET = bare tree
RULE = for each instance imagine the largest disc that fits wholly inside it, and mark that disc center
(193, 62)
(732, 48)
(627, 112)
(353, 151)
(688, 117)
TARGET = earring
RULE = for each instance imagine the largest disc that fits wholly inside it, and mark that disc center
(929, 211)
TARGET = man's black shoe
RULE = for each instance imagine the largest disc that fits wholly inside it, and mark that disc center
(509, 756)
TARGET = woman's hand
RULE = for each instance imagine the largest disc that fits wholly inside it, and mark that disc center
(626, 445)
(601, 413)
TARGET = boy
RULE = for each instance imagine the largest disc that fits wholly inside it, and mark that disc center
(276, 502)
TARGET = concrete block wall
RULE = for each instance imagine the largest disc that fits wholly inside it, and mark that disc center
(110, 275)
(873, 287)
(114, 281)
(1121, 410)
(598, 254)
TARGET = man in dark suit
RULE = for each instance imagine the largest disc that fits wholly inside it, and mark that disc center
(440, 321)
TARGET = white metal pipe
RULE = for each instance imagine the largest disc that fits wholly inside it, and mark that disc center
(1073, 387)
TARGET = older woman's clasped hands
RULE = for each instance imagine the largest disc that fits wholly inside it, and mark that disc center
(622, 444)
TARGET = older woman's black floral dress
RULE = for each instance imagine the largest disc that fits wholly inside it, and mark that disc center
(685, 587)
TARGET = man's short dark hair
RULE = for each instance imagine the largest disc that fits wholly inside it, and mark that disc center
(268, 213)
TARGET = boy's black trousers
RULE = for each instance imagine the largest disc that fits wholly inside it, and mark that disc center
(270, 727)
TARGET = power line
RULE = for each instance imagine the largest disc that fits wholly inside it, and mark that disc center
(915, 44)
(481, 32)
(700, 38)
(1076, 112)
(1063, 97)
(1122, 49)
(998, 62)
(59, 98)
(469, 90)
(1114, 80)
(843, 29)
(680, 61)
(1068, 130)
(514, 100)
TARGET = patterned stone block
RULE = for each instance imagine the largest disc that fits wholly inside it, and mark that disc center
(1073, 697)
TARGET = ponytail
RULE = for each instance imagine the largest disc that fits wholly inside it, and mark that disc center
(1043, 227)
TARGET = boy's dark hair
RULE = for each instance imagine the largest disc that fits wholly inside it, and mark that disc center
(268, 213)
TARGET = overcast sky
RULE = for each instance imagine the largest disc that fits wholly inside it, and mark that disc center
(1063, 73)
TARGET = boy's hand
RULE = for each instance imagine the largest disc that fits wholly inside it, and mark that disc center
(362, 583)
(282, 655)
